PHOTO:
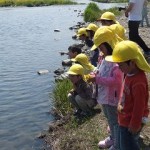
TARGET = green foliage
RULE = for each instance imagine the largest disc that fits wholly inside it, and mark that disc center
(91, 13)
(60, 99)
(33, 3)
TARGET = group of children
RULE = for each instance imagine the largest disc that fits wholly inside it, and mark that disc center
(112, 75)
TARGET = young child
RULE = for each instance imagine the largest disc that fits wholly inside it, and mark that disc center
(109, 19)
(91, 29)
(109, 80)
(133, 106)
(83, 60)
(81, 96)
(73, 51)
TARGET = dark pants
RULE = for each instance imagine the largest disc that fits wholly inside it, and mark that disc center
(134, 35)
(127, 141)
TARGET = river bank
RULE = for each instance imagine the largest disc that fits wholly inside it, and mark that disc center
(68, 133)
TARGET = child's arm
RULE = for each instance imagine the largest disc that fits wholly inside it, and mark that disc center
(140, 98)
(116, 78)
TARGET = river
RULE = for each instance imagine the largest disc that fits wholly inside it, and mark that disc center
(28, 43)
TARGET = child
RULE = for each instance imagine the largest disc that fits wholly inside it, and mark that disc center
(109, 19)
(83, 60)
(109, 80)
(133, 107)
(81, 95)
(91, 29)
(73, 51)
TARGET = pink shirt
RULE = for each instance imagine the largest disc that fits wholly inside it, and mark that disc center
(109, 79)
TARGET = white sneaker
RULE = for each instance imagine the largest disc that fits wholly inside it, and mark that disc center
(107, 143)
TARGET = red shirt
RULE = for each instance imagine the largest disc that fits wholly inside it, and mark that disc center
(134, 101)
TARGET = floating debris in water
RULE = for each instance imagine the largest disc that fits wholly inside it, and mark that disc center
(56, 30)
(42, 71)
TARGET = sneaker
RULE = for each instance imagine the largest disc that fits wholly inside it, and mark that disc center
(107, 143)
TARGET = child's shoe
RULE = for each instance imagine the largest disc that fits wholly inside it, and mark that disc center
(108, 142)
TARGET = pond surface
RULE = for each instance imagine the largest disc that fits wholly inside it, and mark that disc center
(28, 43)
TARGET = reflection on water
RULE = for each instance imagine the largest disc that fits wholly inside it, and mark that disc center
(28, 43)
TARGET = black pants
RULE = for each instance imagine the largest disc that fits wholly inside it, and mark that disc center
(134, 35)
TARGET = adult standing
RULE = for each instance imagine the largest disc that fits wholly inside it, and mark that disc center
(134, 14)
(145, 14)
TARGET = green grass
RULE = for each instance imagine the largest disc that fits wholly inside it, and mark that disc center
(59, 97)
(33, 3)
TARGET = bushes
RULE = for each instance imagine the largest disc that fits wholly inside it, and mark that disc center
(91, 13)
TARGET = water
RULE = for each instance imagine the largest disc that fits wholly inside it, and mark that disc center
(28, 43)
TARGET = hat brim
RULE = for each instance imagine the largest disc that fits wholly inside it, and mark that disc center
(73, 59)
(109, 58)
(93, 47)
(71, 73)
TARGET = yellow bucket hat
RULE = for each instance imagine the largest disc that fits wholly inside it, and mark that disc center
(105, 34)
(92, 27)
(82, 31)
(119, 30)
(76, 69)
(84, 61)
(107, 16)
(128, 50)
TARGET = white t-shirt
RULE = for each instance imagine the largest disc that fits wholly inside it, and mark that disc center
(136, 13)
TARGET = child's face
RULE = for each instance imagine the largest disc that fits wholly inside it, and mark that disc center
(128, 67)
(103, 49)
(74, 78)
(72, 54)
(82, 37)
(105, 23)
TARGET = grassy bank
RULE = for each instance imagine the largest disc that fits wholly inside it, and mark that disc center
(33, 3)
(70, 133)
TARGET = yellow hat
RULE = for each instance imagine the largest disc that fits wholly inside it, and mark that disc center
(82, 31)
(84, 61)
(128, 50)
(76, 69)
(105, 34)
(92, 27)
(108, 16)
(119, 30)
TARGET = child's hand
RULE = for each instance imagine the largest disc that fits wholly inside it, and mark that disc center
(71, 91)
(133, 131)
(92, 79)
(120, 108)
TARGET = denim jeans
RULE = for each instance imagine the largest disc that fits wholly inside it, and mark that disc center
(127, 141)
(134, 35)
(110, 113)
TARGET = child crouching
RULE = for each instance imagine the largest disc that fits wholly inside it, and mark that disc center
(81, 96)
